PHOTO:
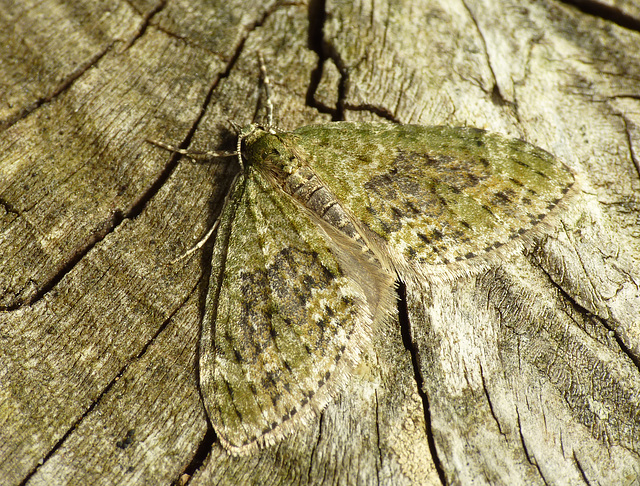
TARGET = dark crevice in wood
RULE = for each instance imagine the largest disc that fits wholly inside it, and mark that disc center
(376, 110)
(378, 434)
(632, 96)
(579, 467)
(623, 347)
(326, 51)
(58, 90)
(486, 394)
(317, 17)
(248, 29)
(317, 42)
(106, 227)
(534, 259)
(634, 158)
(310, 478)
(108, 388)
(146, 20)
(524, 446)
(407, 340)
(343, 85)
(314, 82)
(530, 459)
(499, 99)
(606, 12)
(201, 454)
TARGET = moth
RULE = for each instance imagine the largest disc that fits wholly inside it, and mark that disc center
(317, 228)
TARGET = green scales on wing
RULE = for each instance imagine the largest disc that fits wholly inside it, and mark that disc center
(315, 231)
(435, 194)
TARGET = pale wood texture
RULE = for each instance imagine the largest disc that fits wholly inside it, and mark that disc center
(526, 374)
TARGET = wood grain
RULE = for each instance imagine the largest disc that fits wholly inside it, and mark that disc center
(525, 374)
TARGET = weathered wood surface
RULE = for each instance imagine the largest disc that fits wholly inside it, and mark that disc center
(526, 374)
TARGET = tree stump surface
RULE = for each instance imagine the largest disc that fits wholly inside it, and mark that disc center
(527, 373)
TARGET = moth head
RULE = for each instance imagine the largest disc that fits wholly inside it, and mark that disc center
(267, 151)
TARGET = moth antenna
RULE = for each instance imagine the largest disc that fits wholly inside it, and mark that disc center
(192, 154)
(239, 150)
(267, 90)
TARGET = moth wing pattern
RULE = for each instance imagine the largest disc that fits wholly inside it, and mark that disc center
(290, 306)
(436, 196)
(294, 296)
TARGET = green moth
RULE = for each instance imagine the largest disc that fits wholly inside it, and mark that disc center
(317, 228)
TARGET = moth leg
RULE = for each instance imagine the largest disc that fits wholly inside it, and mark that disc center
(195, 156)
(206, 237)
(198, 245)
